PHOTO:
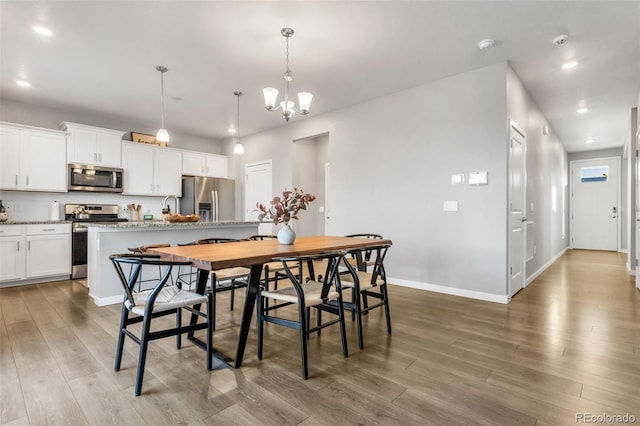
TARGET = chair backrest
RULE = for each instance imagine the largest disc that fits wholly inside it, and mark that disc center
(365, 255)
(380, 253)
(135, 264)
(261, 237)
(296, 265)
(217, 240)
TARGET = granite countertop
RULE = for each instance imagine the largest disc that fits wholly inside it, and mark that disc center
(35, 222)
(161, 224)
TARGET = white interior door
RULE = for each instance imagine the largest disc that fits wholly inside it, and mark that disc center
(257, 189)
(327, 169)
(594, 204)
(517, 219)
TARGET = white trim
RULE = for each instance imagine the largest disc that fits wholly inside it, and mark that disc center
(104, 301)
(629, 270)
(38, 280)
(623, 251)
(454, 291)
(537, 273)
(511, 124)
(571, 163)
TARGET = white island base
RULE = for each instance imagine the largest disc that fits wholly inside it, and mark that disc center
(104, 240)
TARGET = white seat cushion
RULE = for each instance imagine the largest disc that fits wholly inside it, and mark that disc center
(312, 292)
(170, 297)
(365, 279)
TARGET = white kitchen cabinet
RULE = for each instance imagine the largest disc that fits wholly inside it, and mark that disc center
(93, 145)
(48, 250)
(150, 170)
(202, 164)
(29, 252)
(12, 257)
(33, 159)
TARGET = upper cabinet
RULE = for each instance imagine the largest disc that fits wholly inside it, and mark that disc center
(202, 164)
(150, 170)
(93, 145)
(32, 158)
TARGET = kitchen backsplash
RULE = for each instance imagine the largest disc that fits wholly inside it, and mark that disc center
(37, 205)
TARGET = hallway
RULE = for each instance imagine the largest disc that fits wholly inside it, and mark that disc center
(568, 343)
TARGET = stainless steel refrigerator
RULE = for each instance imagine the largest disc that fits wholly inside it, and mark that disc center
(213, 199)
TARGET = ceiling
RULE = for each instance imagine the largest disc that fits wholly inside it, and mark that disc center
(103, 54)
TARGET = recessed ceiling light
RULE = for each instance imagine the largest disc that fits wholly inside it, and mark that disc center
(43, 31)
(589, 140)
(560, 40)
(230, 130)
(569, 65)
(23, 83)
(582, 110)
(486, 44)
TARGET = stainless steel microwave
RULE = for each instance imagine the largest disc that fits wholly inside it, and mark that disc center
(95, 178)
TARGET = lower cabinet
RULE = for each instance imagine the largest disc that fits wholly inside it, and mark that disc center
(31, 252)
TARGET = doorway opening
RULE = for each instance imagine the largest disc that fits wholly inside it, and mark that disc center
(310, 165)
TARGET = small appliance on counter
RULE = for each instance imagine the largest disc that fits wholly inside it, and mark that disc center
(3, 213)
(55, 210)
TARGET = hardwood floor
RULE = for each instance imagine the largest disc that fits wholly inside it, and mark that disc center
(568, 343)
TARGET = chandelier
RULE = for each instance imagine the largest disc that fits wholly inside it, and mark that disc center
(237, 147)
(163, 135)
(271, 95)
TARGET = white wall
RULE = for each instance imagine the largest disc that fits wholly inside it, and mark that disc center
(547, 168)
(391, 165)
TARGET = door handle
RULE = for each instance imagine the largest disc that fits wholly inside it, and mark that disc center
(613, 217)
(524, 219)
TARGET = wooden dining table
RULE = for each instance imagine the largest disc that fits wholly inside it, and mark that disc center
(253, 254)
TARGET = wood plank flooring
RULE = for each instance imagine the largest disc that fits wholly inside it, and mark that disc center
(569, 343)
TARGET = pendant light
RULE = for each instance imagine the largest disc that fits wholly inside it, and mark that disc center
(237, 147)
(271, 95)
(163, 135)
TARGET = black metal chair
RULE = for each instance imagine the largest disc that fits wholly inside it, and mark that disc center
(228, 279)
(366, 284)
(316, 292)
(164, 298)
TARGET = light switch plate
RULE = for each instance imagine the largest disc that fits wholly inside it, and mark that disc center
(478, 178)
(450, 206)
(457, 179)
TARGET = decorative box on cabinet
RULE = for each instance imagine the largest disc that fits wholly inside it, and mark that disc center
(93, 145)
(150, 170)
(32, 158)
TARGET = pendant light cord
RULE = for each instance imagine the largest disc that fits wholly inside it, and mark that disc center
(162, 96)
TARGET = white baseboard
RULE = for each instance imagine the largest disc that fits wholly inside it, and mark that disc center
(104, 301)
(454, 291)
(629, 270)
(623, 251)
(545, 266)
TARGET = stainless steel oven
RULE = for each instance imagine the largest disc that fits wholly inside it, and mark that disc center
(95, 178)
(81, 215)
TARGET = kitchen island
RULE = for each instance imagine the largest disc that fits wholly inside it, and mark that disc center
(104, 240)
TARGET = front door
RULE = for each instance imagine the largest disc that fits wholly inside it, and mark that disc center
(517, 219)
(594, 210)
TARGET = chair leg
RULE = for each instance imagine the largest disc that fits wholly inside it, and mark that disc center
(260, 325)
(233, 292)
(358, 314)
(343, 327)
(178, 325)
(304, 334)
(385, 299)
(142, 357)
(209, 332)
(213, 302)
(319, 320)
(123, 325)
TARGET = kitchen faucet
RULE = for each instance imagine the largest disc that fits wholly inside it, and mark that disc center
(166, 209)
